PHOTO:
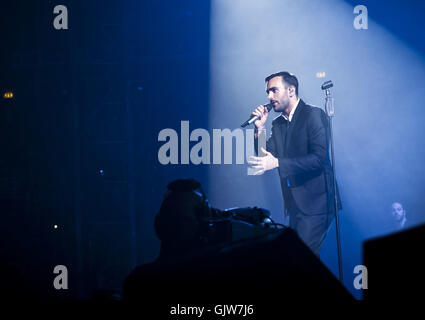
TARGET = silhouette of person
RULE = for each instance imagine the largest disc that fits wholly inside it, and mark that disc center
(180, 221)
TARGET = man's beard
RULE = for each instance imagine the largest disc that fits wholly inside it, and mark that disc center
(399, 217)
(282, 106)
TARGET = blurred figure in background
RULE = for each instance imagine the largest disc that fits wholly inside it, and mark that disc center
(399, 216)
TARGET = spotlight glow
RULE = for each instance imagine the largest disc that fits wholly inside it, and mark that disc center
(8, 95)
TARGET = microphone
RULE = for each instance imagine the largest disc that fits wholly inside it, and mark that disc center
(255, 118)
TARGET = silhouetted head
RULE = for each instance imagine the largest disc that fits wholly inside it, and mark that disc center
(178, 223)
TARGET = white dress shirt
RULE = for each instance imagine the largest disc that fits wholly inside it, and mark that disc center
(291, 114)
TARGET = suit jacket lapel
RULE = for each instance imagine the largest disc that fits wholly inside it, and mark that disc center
(283, 129)
(280, 131)
(296, 119)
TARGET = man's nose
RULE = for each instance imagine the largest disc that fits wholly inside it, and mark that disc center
(270, 95)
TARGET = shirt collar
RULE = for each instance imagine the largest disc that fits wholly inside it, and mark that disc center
(292, 112)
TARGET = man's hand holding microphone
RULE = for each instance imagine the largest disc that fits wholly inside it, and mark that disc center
(261, 112)
(268, 162)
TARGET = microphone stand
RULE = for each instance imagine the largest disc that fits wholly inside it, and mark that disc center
(329, 108)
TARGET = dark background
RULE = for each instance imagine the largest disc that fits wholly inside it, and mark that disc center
(91, 98)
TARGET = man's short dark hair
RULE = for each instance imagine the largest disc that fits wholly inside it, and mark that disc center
(288, 79)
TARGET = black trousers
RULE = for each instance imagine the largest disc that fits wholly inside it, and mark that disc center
(312, 229)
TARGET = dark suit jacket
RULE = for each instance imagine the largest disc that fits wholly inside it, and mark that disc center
(302, 148)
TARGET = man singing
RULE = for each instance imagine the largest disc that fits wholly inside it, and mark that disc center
(298, 147)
